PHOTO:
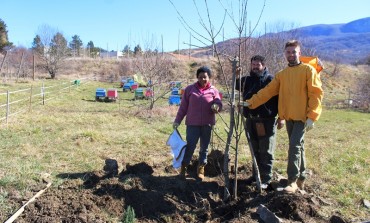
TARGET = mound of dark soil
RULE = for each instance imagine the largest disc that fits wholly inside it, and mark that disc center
(104, 196)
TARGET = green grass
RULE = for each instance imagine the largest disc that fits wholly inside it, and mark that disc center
(76, 134)
(338, 152)
(344, 152)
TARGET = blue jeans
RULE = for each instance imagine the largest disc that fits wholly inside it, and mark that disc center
(263, 147)
(296, 157)
(193, 134)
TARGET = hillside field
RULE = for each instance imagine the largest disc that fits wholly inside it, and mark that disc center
(73, 141)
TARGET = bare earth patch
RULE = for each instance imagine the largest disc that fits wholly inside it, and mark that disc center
(103, 196)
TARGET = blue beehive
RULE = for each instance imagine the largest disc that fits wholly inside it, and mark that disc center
(174, 100)
(128, 84)
(175, 91)
(100, 93)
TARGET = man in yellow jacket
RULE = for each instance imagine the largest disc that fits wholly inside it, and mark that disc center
(300, 95)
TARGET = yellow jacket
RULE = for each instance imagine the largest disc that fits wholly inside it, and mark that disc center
(299, 90)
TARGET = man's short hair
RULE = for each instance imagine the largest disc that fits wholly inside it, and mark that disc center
(258, 58)
(204, 69)
(294, 43)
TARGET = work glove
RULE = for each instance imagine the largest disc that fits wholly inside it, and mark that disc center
(175, 125)
(243, 104)
(309, 124)
(215, 107)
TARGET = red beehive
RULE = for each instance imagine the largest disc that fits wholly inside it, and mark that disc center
(149, 93)
(112, 93)
(134, 86)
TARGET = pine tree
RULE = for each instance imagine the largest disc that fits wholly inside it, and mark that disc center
(92, 49)
(76, 45)
(37, 45)
(137, 50)
(4, 42)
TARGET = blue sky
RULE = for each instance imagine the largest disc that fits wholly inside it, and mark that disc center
(113, 24)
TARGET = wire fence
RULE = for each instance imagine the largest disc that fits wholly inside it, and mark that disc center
(354, 103)
(23, 100)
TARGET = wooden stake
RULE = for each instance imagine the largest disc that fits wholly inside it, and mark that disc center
(20, 210)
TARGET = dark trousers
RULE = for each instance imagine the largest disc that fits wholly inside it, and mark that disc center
(263, 146)
(296, 158)
(193, 135)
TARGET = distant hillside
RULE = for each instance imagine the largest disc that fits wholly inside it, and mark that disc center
(345, 43)
(335, 30)
(357, 26)
(347, 47)
(349, 42)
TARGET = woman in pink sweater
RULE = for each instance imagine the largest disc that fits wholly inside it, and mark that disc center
(199, 104)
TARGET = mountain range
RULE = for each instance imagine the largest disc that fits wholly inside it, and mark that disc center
(344, 43)
(347, 43)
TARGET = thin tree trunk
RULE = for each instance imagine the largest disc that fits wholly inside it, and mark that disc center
(20, 66)
(3, 62)
(230, 133)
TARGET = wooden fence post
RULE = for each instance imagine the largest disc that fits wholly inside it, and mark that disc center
(43, 94)
(7, 106)
(30, 107)
(34, 67)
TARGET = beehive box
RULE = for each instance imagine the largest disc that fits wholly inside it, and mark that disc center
(100, 92)
(174, 100)
(112, 93)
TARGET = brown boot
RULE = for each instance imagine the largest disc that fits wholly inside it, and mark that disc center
(200, 172)
(300, 184)
(183, 172)
(292, 187)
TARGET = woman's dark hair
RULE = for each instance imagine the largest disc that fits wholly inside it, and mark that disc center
(204, 69)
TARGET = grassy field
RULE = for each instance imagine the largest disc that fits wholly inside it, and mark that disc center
(76, 134)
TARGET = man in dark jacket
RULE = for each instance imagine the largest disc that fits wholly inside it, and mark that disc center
(261, 122)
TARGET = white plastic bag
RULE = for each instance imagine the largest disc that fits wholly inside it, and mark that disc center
(178, 147)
